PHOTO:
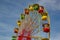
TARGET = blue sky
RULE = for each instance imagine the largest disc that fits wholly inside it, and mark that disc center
(10, 12)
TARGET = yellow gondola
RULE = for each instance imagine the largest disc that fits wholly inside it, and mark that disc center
(31, 8)
(45, 39)
(44, 17)
(19, 23)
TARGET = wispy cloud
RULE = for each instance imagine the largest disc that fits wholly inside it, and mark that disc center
(50, 4)
(56, 37)
(5, 38)
(6, 29)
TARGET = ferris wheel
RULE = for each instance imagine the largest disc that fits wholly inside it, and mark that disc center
(33, 23)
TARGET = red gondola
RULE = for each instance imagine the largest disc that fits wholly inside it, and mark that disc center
(27, 11)
(41, 9)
